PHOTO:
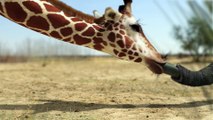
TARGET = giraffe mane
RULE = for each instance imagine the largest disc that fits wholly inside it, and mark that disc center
(71, 11)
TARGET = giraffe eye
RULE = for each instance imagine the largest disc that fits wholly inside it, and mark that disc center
(136, 27)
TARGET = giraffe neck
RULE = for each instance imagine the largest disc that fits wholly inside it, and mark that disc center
(43, 17)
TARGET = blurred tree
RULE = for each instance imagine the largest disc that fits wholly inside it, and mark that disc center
(209, 5)
(197, 37)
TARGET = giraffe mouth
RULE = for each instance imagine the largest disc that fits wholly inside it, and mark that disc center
(154, 66)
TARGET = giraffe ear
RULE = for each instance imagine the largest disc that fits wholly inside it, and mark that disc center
(121, 9)
(126, 8)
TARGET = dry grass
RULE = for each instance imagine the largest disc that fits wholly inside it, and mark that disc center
(97, 89)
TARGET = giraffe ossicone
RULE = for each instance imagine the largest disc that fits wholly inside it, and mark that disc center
(116, 32)
(96, 14)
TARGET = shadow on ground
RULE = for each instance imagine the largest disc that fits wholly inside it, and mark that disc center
(72, 106)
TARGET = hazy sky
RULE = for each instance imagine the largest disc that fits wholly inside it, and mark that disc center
(156, 25)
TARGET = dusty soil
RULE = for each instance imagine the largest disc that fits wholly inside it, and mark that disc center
(97, 89)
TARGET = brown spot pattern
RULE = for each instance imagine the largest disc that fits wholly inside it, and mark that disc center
(57, 21)
(51, 8)
(116, 24)
(22, 24)
(76, 19)
(111, 37)
(67, 40)
(134, 47)
(38, 22)
(99, 47)
(110, 28)
(120, 43)
(115, 51)
(32, 28)
(99, 34)
(89, 32)
(121, 54)
(119, 36)
(124, 50)
(81, 40)
(98, 40)
(80, 26)
(105, 43)
(111, 22)
(122, 32)
(68, 14)
(131, 58)
(1, 14)
(140, 49)
(15, 11)
(66, 31)
(32, 6)
(112, 45)
(122, 27)
(38, 31)
(106, 24)
(136, 54)
(55, 35)
(98, 28)
(130, 52)
(128, 42)
(139, 60)
(44, 33)
(1, 9)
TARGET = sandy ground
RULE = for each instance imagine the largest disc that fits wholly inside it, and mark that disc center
(97, 89)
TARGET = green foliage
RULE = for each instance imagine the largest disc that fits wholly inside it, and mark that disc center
(209, 5)
(197, 37)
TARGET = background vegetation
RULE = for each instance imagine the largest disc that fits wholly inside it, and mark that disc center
(197, 36)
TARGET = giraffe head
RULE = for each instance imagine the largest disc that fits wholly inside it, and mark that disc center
(123, 22)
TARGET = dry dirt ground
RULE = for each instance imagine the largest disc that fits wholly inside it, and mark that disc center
(97, 89)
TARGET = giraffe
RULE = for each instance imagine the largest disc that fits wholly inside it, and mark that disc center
(116, 32)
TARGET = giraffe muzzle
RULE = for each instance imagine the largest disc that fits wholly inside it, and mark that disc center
(154, 66)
